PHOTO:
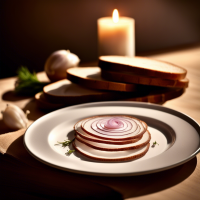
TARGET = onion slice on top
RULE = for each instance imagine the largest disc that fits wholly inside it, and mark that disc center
(88, 137)
(123, 128)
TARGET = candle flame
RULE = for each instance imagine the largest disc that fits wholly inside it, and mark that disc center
(115, 16)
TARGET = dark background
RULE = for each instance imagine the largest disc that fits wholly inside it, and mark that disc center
(30, 30)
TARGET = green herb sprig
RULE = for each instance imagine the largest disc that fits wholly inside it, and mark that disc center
(69, 152)
(154, 144)
(27, 83)
(65, 144)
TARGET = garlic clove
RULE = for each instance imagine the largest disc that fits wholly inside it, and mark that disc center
(14, 117)
(58, 62)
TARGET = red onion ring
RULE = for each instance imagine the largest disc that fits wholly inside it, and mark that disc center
(89, 137)
(99, 127)
(100, 124)
(114, 123)
(89, 125)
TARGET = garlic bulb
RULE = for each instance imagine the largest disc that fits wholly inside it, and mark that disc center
(14, 117)
(57, 63)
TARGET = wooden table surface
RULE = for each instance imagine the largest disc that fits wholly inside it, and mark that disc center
(189, 103)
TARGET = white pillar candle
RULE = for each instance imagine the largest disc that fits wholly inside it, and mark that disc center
(116, 35)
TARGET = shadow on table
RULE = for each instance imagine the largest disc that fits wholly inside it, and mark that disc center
(152, 183)
(136, 186)
(4, 128)
(35, 112)
(12, 96)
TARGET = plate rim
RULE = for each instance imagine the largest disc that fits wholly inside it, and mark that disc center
(147, 105)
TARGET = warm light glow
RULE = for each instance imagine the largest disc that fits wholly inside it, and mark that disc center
(115, 16)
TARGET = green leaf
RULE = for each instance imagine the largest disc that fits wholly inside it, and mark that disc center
(154, 144)
(65, 143)
(27, 83)
(69, 152)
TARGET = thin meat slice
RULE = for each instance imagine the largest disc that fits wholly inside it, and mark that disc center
(110, 156)
(113, 147)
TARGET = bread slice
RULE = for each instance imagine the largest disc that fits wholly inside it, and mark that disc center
(127, 77)
(142, 66)
(90, 77)
(63, 93)
(157, 95)
(68, 93)
(44, 104)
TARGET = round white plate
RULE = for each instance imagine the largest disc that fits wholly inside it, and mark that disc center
(177, 135)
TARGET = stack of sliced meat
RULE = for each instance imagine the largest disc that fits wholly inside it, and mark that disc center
(112, 138)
